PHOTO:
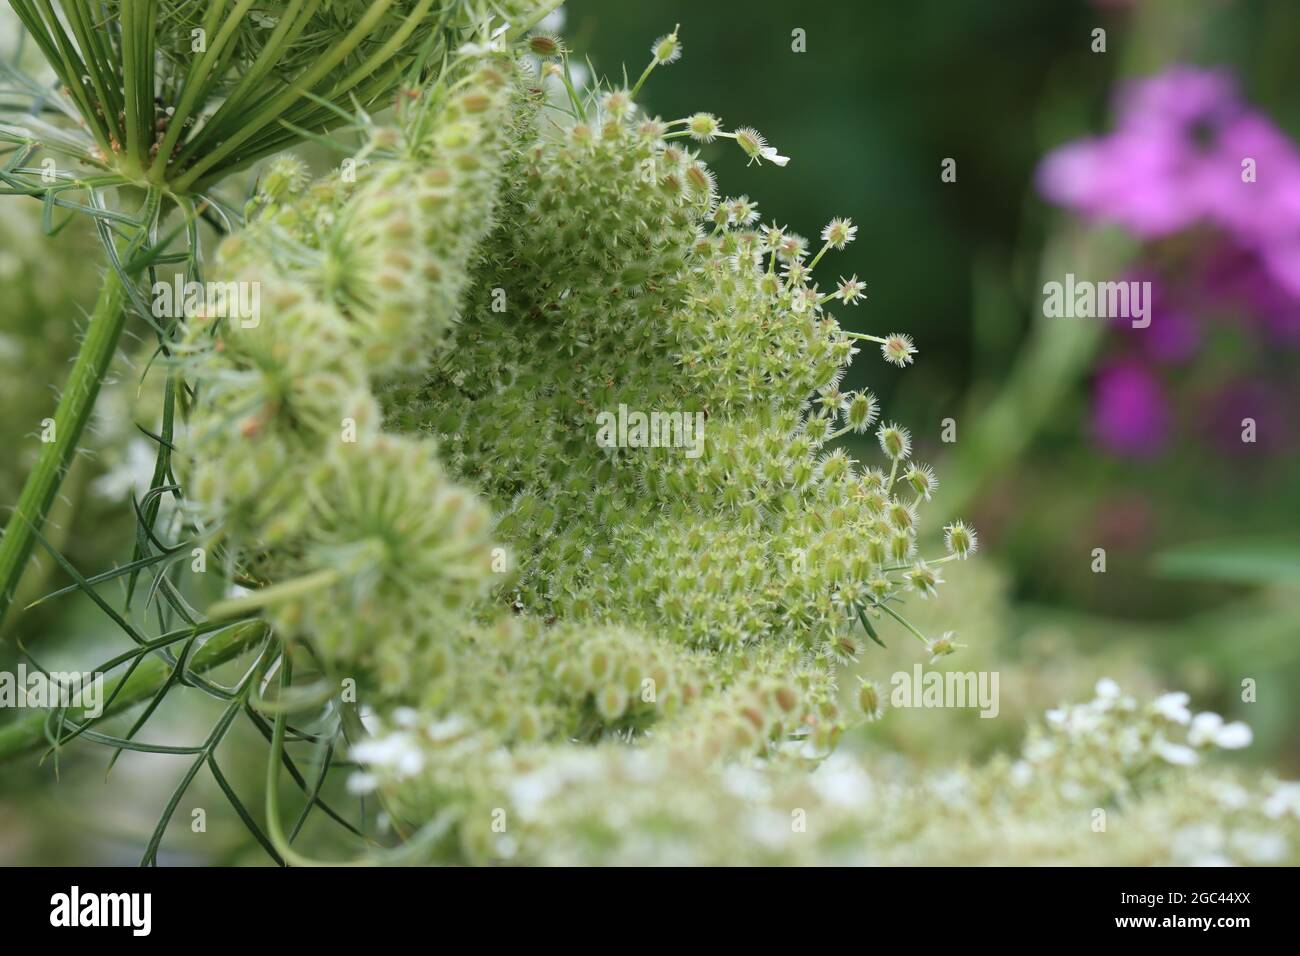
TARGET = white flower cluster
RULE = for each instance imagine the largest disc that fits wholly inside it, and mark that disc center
(659, 802)
(1155, 733)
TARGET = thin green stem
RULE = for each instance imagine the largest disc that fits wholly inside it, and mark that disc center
(818, 258)
(196, 83)
(645, 75)
(24, 736)
(70, 416)
(277, 104)
(905, 622)
(70, 419)
(864, 337)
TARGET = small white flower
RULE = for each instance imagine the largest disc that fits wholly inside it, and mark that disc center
(745, 783)
(1179, 755)
(772, 156)
(1205, 727)
(529, 794)
(133, 476)
(1129, 742)
(1173, 707)
(359, 784)
(767, 827)
(1039, 750)
(839, 232)
(1021, 773)
(841, 781)
(1284, 799)
(1234, 736)
(397, 752)
(1231, 795)
(1107, 689)
(445, 729)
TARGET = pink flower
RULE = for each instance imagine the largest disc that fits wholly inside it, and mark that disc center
(1187, 151)
(1130, 415)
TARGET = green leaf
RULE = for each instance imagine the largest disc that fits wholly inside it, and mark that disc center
(1240, 561)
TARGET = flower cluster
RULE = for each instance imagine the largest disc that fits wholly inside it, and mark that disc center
(620, 278)
(1132, 741)
(439, 338)
(1089, 788)
(363, 532)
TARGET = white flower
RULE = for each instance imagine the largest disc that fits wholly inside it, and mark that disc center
(1234, 736)
(950, 787)
(1039, 750)
(360, 784)
(1129, 742)
(839, 232)
(1173, 707)
(405, 717)
(399, 752)
(1177, 754)
(1205, 726)
(1284, 799)
(446, 729)
(1231, 795)
(531, 792)
(1107, 689)
(772, 156)
(135, 475)
(840, 780)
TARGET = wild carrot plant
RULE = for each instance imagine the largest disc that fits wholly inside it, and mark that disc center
(525, 488)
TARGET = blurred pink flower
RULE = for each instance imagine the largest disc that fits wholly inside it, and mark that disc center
(1236, 277)
(1130, 414)
(1185, 151)
(1188, 157)
(1174, 335)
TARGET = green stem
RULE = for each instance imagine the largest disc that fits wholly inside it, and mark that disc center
(903, 621)
(818, 258)
(23, 736)
(276, 105)
(70, 419)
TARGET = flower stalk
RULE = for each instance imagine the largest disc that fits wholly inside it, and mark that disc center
(70, 419)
